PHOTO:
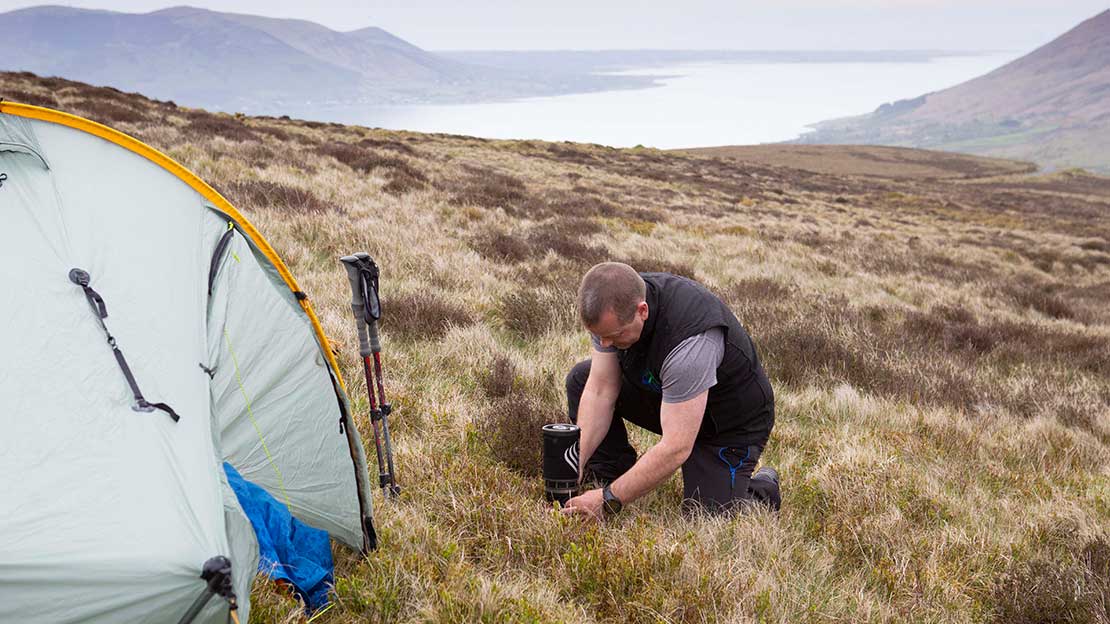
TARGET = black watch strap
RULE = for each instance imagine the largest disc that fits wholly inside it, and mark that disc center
(611, 505)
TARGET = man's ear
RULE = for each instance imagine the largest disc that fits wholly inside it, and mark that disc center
(642, 310)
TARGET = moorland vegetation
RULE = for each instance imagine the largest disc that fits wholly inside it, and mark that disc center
(940, 347)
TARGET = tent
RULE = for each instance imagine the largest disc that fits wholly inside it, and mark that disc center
(150, 334)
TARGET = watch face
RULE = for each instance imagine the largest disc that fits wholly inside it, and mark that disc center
(611, 504)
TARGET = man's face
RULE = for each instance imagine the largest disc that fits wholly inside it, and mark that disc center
(612, 333)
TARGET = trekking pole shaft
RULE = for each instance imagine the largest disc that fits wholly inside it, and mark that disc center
(378, 375)
(383, 476)
(385, 421)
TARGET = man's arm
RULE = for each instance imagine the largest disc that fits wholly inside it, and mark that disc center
(680, 423)
(595, 408)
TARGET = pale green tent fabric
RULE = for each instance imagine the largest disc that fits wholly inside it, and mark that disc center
(109, 514)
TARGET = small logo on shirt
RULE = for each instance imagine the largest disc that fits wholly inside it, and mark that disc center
(648, 379)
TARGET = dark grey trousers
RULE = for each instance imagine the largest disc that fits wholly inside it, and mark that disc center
(716, 476)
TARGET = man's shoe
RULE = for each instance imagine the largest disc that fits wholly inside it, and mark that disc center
(767, 473)
(771, 496)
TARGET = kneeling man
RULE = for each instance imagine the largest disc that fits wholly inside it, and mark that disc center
(669, 356)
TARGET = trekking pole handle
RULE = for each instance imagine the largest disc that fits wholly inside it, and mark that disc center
(375, 340)
(375, 307)
(358, 302)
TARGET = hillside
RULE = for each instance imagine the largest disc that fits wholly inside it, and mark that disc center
(869, 161)
(1051, 106)
(939, 347)
(243, 62)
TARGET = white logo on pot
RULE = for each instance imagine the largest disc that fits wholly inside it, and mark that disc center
(571, 457)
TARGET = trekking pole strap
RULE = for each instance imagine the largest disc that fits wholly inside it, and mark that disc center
(100, 310)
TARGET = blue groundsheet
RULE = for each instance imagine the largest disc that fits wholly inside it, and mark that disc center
(289, 549)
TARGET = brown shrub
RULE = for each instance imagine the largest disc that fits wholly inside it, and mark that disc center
(388, 144)
(569, 154)
(490, 189)
(757, 290)
(501, 247)
(402, 177)
(645, 264)
(25, 75)
(575, 205)
(844, 347)
(320, 124)
(109, 94)
(274, 131)
(511, 428)
(565, 243)
(1096, 244)
(108, 112)
(953, 327)
(933, 357)
(355, 157)
(54, 83)
(1042, 298)
(275, 195)
(501, 379)
(575, 226)
(886, 259)
(27, 97)
(202, 124)
(1066, 349)
(257, 154)
(531, 312)
(1042, 591)
(421, 315)
(402, 181)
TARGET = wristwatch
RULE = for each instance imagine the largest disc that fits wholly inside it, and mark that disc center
(611, 505)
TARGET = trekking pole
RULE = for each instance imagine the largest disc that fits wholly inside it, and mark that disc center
(363, 274)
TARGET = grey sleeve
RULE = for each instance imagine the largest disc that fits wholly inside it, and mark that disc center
(597, 344)
(691, 367)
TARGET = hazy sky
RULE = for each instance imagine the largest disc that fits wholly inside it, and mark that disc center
(737, 24)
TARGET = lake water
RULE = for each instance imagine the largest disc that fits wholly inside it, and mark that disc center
(701, 105)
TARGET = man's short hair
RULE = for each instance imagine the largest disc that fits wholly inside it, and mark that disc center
(610, 286)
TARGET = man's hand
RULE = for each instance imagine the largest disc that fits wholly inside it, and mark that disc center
(587, 504)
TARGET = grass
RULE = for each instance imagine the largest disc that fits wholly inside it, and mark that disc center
(939, 351)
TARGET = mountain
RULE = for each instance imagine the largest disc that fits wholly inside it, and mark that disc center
(247, 62)
(1051, 106)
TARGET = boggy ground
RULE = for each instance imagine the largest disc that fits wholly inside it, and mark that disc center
(940, 351)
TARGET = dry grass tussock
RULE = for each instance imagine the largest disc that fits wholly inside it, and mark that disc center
(940, 352)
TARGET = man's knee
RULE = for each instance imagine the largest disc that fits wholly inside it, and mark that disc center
(576, 383)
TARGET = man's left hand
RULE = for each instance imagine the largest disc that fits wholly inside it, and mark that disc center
(587, 504)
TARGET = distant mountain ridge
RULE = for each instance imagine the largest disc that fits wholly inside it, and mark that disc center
(260, 64)
(1051, 106)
